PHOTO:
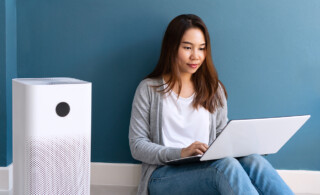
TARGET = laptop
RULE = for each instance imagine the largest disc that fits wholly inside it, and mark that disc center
(249, 136)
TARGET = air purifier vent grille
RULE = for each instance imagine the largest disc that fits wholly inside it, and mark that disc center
(58, 166)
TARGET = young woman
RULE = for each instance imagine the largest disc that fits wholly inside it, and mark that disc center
(177, 111)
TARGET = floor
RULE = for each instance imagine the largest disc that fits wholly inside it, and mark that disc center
(112, 190)
(100, 190)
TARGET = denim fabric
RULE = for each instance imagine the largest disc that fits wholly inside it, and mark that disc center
(247, 175)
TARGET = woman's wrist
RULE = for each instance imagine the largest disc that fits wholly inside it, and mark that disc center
(183, 151)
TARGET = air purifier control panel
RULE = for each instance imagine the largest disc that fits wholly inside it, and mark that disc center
(62, 109)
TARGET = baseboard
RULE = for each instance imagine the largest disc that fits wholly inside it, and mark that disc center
(301, 181)
(118, 174)
(6, 178)
(129, 174)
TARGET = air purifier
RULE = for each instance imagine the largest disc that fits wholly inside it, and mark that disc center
(51, 136)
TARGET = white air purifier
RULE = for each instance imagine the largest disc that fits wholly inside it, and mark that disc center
(51, 136)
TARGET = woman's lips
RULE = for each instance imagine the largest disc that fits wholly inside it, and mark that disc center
(193, 65)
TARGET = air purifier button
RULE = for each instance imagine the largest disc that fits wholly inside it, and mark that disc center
(62, 109)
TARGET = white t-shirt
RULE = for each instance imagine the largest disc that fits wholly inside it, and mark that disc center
(181, 123)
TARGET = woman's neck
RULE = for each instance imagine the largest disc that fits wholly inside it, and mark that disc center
(187, 88)
(185, 78)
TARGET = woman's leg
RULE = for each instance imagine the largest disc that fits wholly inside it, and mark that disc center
(225, 176)
(263, 176)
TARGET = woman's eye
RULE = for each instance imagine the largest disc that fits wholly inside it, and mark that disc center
(203, 48)
(187, 47)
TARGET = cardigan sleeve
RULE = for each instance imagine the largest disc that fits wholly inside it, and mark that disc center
(222, 115)
(141, 146)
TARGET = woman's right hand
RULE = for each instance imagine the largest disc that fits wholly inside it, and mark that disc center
(195, 148)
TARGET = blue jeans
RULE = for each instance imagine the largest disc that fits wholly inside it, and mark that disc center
(252, 174)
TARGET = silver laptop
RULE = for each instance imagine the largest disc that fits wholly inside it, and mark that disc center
(250, 136)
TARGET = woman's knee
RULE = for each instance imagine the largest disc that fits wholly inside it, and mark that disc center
(229, 160)
(226, 163)
(254, 159)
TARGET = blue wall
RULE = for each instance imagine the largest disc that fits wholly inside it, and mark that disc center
(8, 70)
(11, 67)
(265, 52)
(3, 131)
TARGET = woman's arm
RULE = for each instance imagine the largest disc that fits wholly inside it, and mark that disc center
(141, 146)
(222, 113)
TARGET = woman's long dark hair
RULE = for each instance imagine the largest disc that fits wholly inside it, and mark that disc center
(205, 79)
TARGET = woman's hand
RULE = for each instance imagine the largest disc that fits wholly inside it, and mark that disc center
(194, 149)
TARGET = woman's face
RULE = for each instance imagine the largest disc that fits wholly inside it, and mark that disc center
(192, 51)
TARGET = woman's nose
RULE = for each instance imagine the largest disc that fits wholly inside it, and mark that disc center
(194, 55)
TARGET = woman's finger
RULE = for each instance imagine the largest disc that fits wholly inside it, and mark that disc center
(197, 151)
(202, 147)
(196, 142)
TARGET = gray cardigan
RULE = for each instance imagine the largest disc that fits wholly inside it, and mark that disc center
(145, 131)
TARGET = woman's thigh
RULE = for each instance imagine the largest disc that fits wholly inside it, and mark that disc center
(194, 178)
(225, 176)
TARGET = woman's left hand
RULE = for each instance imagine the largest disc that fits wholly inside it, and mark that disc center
(194, 149)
